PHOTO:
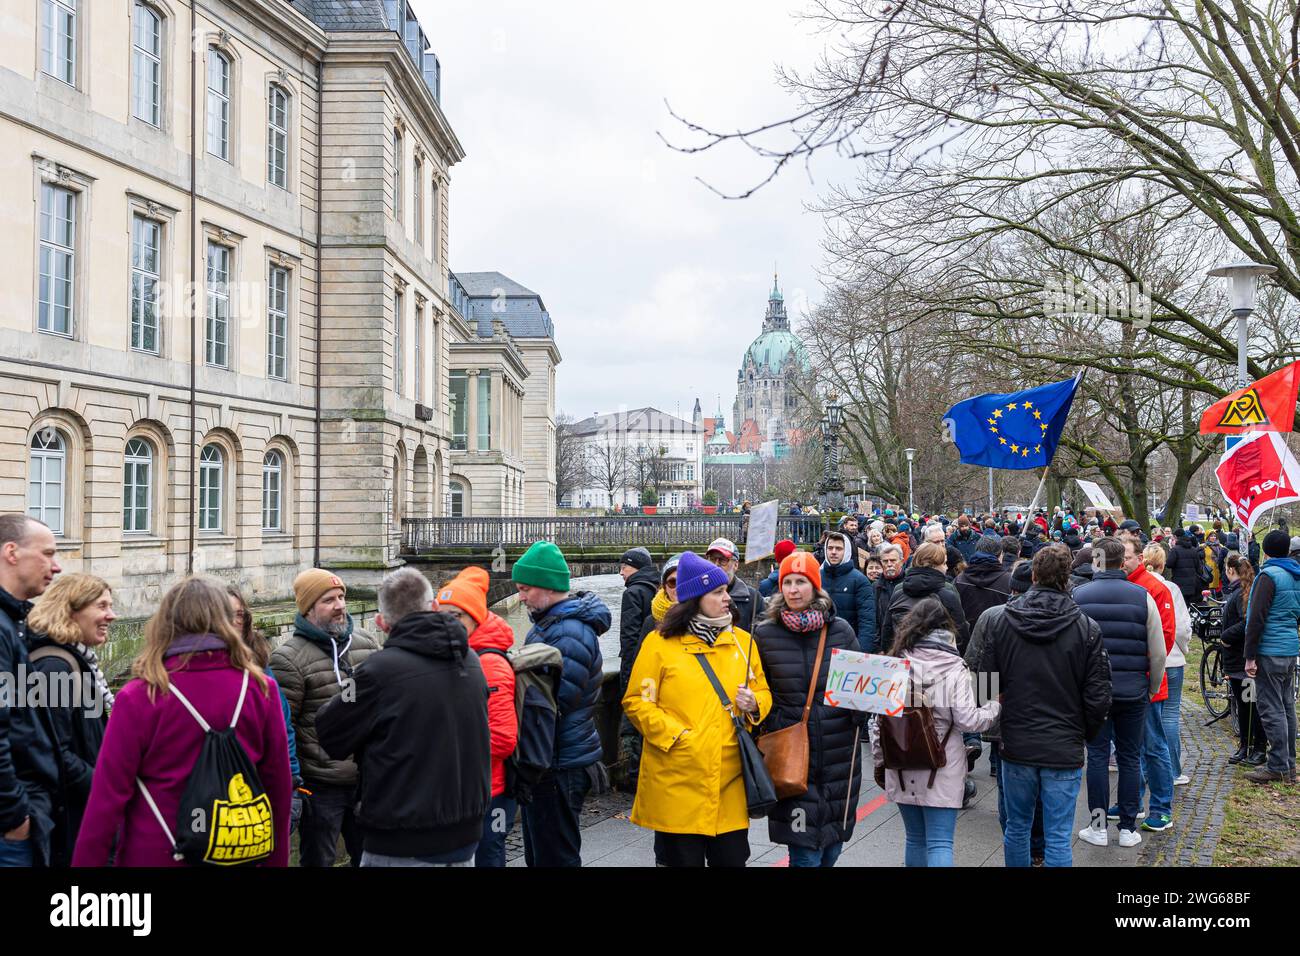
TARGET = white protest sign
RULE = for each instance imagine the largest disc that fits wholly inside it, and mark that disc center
(761, 539)
(1095, 495)
(870, 682)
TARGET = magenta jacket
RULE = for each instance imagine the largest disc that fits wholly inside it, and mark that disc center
(159, 742)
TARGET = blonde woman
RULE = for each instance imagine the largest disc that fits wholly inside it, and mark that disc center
(63, 630)
(191, 643)
(1153, 556)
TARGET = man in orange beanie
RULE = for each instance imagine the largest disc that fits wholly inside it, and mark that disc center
(465, 596)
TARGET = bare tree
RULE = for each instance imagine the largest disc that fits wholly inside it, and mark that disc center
(607, 463)
(571, 471)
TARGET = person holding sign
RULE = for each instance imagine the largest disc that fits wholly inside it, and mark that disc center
(799, 621)
(929, 801)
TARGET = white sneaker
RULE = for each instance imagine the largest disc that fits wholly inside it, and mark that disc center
(1182, 780)
(1097, 836)
(1129, 838)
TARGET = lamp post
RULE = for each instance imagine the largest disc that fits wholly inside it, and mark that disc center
(1243, 284)
(911, 501)
(832, 494)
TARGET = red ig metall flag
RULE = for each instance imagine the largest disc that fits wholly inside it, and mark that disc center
(1257, 474)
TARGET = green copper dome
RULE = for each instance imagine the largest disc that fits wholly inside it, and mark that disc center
(771, 349)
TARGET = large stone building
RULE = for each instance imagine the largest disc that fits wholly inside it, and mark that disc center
(227, 344)
(630, 450)
(767, 409)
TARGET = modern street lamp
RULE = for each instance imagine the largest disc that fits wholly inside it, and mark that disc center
(1243, 285)
(911, 501)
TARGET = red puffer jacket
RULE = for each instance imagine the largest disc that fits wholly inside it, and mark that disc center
(494, 634)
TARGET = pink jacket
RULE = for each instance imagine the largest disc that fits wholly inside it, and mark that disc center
(947, 685)
(159, 742)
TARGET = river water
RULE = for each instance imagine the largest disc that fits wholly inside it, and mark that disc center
(607, 587)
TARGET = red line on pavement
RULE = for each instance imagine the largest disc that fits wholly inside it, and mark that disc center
(863, 813)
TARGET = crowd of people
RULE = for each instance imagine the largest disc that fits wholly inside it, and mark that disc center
(1058, 642)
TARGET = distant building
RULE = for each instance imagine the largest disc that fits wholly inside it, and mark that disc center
(646, 447)
(767, 402)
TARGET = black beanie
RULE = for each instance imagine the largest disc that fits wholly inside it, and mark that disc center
(1022, 578)
(640, 558)
(1277, 544)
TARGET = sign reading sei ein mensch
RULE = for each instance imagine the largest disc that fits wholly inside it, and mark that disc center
(870, 682)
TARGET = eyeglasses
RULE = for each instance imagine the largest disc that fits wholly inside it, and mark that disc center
(671, 582)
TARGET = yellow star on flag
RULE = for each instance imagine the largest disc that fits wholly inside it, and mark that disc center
(1002, 440)
(993, 421)
(1038, 449)
(993, 430)
(1014, 448)
(1012, 407)
(1029, 405)
(1025, 453)
(1043, 426)
(1037, 413)
(997, 413)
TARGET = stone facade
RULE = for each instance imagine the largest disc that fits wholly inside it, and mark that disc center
(767, 403)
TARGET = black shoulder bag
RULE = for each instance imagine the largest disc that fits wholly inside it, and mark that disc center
(760, 792)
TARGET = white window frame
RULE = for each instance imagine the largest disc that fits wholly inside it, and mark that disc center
(142, 280)
(212, 488)
(273, 474)
(143, 57)
(399, 365)
(133, 462)
(53, 249)
(277, 323)
(417, 202)
(59, 28)
(433, 225)
(277, 136)
(418, 349)
(219, 106)
(217, 296)
(48, 449)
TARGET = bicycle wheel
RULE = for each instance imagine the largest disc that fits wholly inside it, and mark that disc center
(1214, 685)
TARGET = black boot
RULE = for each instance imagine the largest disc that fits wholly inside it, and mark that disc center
(1256, 758)
(1239, 756)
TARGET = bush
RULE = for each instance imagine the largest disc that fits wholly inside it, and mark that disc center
(711, 497)
(648, 497)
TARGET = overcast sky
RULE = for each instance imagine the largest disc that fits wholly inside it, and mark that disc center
(656, 285)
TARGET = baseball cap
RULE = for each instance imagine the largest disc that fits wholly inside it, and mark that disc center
(722, 544)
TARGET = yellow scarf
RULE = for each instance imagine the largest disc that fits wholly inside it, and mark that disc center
(660, 605)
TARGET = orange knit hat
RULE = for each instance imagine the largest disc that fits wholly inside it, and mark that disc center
(802, 562)
(467, 591)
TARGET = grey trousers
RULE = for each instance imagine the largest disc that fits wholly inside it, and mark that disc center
(1275, 698)
(380, 859)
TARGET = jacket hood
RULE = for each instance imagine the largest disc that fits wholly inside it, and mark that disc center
(648, 576)
(1290, 565)
(983, 573)
(430, 634)
(937, 653)
(919, 582)
(845, 562)
(582, 606)
(493, 633)
(1041, 615)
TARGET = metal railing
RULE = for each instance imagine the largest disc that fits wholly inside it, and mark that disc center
(666, 531)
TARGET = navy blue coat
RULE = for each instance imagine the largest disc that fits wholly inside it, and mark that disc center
(769, 585)
(1120, 609)
(573, 626)
(855, 601)
(966, 545)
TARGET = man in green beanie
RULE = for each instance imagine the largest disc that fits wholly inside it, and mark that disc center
(572, 623)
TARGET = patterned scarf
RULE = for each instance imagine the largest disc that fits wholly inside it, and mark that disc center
(92, 660)
(801, 622)
(707, 629)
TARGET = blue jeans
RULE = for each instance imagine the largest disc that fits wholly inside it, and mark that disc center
(15, 852)
(1155, 764)
(1126, 726)
(1036, 831)
(496, 827)
(806, 856)
(1170, 714)
(929, 834)
(551, 833)
(1023, 787)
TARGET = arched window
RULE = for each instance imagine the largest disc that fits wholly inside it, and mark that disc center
(146, 65)
(212, 467)
(272, 491)
(277, 137)
(46, 478)
(457, 500)
(137, 487)
(218, 104)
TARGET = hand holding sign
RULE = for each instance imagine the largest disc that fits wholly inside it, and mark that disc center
(868, 682)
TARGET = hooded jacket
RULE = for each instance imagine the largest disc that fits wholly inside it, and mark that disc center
(984, 584)
(921, 583)
(965, 543)
(574, 625)
(635, 608)
(941, 674)
(1053, 675)
(854, 597)
(418, 727)
(1181, 564)
(310, 668)
(824, 814)
(492, 640)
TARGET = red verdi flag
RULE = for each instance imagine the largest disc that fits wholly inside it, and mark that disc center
(1266, 406)
(1257, 474)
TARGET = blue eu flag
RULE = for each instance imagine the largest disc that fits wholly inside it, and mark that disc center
(1019, 430)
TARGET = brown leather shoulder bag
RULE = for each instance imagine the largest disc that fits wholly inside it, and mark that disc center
(785, 751)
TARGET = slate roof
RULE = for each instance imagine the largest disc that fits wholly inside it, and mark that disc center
(344, 15)
(635, 420)
(496, 296)
(487, 284)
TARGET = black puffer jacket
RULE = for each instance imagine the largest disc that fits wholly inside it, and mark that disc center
(419, 731)
(982, 585)
(1234, 631)
(1181, 564)
(1053, 675)
(921, 583)
(833, 733)
(635, 608)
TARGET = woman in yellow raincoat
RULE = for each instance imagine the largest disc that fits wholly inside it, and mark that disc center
(690, 790)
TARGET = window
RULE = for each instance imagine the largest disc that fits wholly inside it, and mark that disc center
(277, 323)
(146, 238)
(457, 500)
(484, 412)
(459, 388)
(277, 138)
(218, 105)
(212, 468)
(59, 39)
(137, 476)
(433, 227)
(397, 175)
(690, 472)
(58, 235)
(272, 485)
(419, 353)
(217, 330)
(45, 478)
(399, 367)
(146, 66)
(417, 205)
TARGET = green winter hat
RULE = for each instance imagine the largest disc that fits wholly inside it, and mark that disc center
(542, 566)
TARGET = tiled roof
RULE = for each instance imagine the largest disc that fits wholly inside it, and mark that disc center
(636, 420)
(491, 284)
(344, 15)
(496, 296)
